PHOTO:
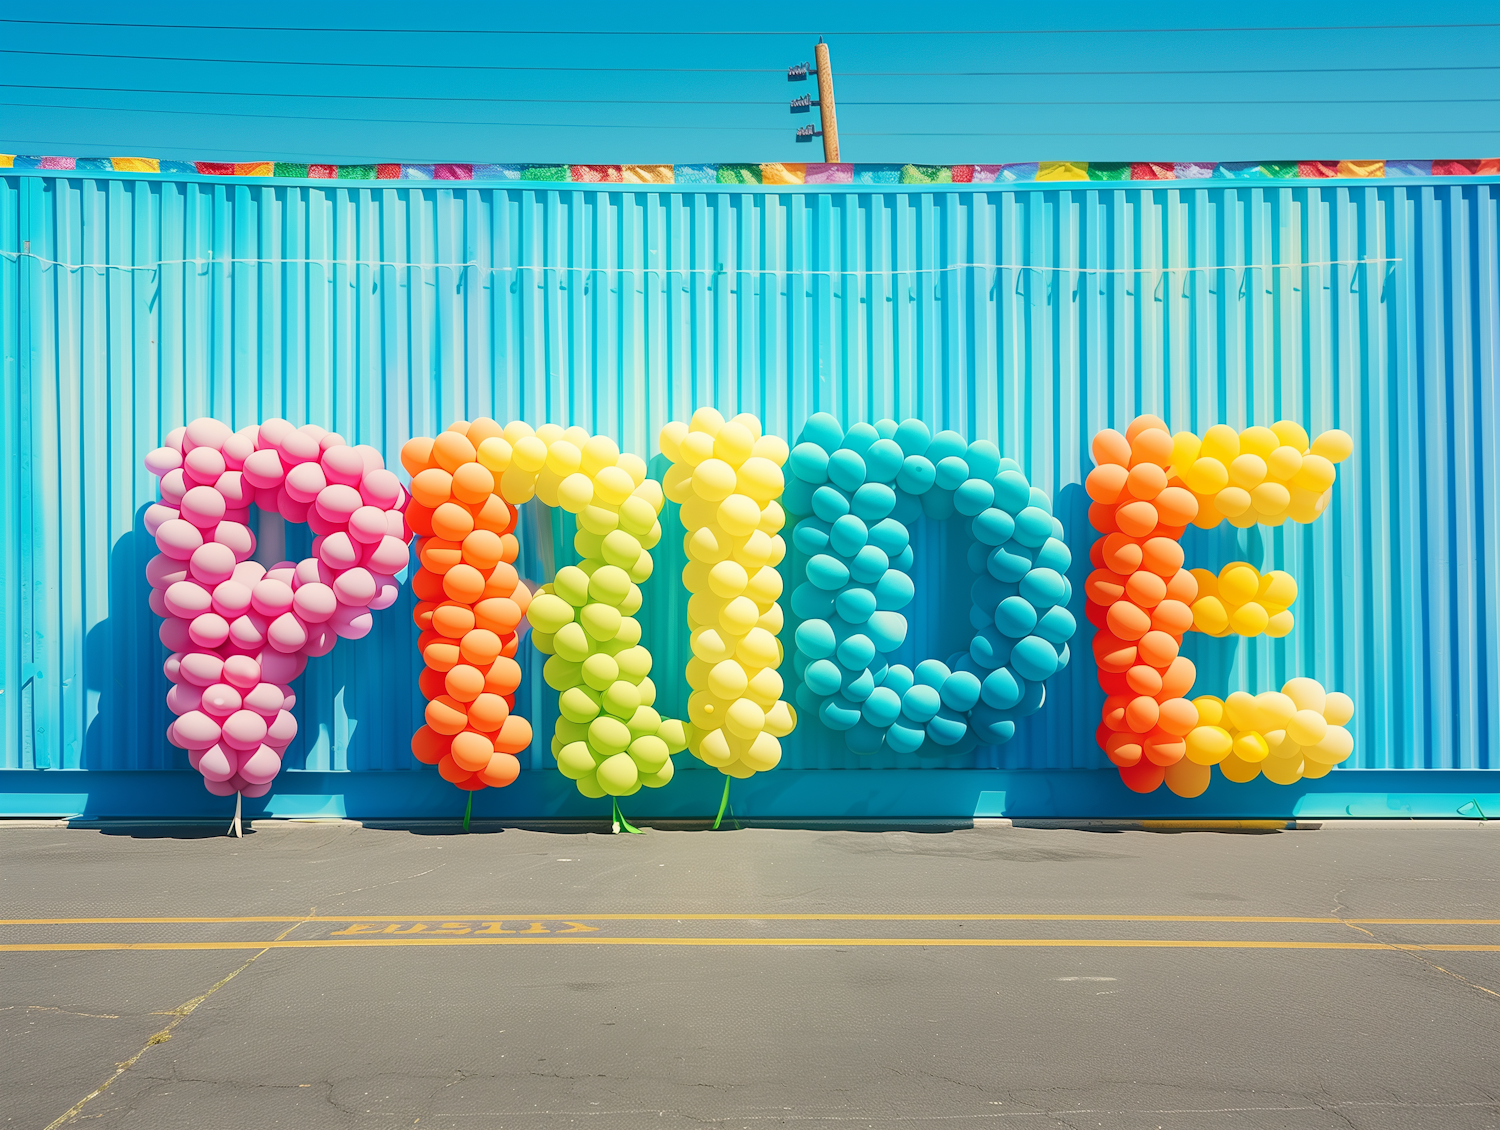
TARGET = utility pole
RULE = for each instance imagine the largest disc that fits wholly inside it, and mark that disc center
(825, 103)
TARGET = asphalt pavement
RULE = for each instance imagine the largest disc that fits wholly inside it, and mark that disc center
(338, 976)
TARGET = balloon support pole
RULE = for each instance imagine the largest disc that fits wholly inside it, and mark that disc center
(234, 826)
(723, 803)
(468, 809)
(618, 823)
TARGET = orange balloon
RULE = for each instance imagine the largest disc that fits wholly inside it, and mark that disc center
(1144, 776)
(1145, 481)
(1123, 748)
(1151, 445)
(452, 450)
(453, 620)
(1158, 649)
(1172, 617)
(1178, 716)
(515, 735)
(1113, 653)
(432, 487)
(421, 614)
(430, 636)
(502, 581)
(1114, 711)
(504, 677)
(509, 645)
(431, 683)
(1164, 750)
(1177, 506)
(416, 455)
(1105, 482)
(452, 522)
(418, 518)
(1145, 589)
(482, 549)
(446, 715)
(481, 429)
(441, 656)
(1137, 519)
(472, 751)
(1178, 678)
(463, 582)
(1110, 446)
(512, 546)
(503, 768)
(488, 712)
(1120, 554)
(1182, 586)
(480, 647)
(450, 771)
(1127, 621)
(522, 596)
(1144, 680)
(463, 682)
(1163, 556)
(1102, 517)
(1141, 713)
(428, 746)
(427, 585)
(438, 555)
(499, 614)
(493, 515)
(1143, 422)
(472, 483)
(1104, 587)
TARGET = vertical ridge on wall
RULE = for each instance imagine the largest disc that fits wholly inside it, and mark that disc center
(1028, 315)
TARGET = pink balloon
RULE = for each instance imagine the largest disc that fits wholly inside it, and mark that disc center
(314, 603)
(272, 432)
(269, 499)
(221, 700)
(236, 535)
(319, 524)
(162, 460)
(173, 486)
(289, 507)
(265, 699)
(298, 447)
(280, 669)
(370, 457)
(238, 448)
(343, 465)
(351, 623)
(287, 633)
(242, 672)
(309, 571)
(395, 525)
(162, 571)
(320, 639)
(220, 788)
(172, 668)
(389, 557)
(157, 602)
(173, 634)
(386, 596)
(201, 668)
(212, 562)
(249, 630)
(255, 790)
(187, 599)
(338, 500)
(174, 439)
(204, 465)
(271, 597)
(209, 630)
(248, 572)
(216, 764)
(231, 600)
(264, 469)
(283, 571)
(157, 513)
(177, 538)
(380, 488)
(196, 730)
(244, 729)
(261, 766)
(203, 507)
(340, 552)
(367, 525)
(184, 697)
(355, 587)
(237, 493)
(205, 431)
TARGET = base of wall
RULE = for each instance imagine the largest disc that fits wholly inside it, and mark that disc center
(789, 795)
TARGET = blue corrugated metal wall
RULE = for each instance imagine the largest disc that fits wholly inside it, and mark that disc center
(1030, 315)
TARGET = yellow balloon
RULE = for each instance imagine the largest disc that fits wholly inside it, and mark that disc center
(613, 485)
(1335, 446)
(727, 680)
(738, 514)
(1292, 434)
(733, 442)
(1239, 771)
(1250, 747)
(1282, 770)
(713, 480)
(1307, 693)
(529, 453)
(1188, 778)
(1338, 708)
(744, 718)
(1258, 441)
(1208, 745)
(1307, 727)
(763, 753)
(727, 579)
(1210, 710)
(575, 491)
(1220, 442)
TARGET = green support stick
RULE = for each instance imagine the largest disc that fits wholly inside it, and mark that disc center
(468, 808)
(619, 821)
(724, 803)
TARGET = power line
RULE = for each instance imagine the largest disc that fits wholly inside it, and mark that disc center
(819, 31)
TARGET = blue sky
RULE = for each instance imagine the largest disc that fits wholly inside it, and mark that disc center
(1071, 84)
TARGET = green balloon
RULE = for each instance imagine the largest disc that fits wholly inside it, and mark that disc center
(632, 602)
(548, 612)
(644, 721)
(560, 674)
(618, 775)
(621, 699)
(660, 777)
(572, 643)
(621, 550)
(609, 585)
(572, 584)
(649, 754)
(601, 621)
(578, 704)
(608, 735)
(673, 734)
(574, 760)
(634, 663)
(589, 786)
(600, 670)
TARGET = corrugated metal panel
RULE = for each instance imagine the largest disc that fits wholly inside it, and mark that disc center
(1371, 307)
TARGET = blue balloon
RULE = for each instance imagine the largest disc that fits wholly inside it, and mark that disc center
(848, 535)
(797, 497)
(989, 649)
(869, 565)
(800, 660)
(1012, 491)
(960, 691)
(1057, 627)
(1040, 500)
(993, 526)
(815, 638)
(947, 727)
(811, 603)
(887, 630)
(882, 707)
(873, 501)
(921, 702)
(1015, 617)
(1034, 659)
(979, 618)
(1031, 702)
(890, 535)
(862, 737)
(973, 497)
(839, 714)
(1042, 587)
(916, 475)
(883, 461)
(823, 677)
(829, 504)
(912, 436)
(903, 561)
(1001, 689)
(903, 737)
(946, 443)
(854, 605)
(1054, 554)
(811, 535)
(908, 507)
(885, 428)
(823, 430)
(1007, 565)
(859, 437)
(983, 458)
(1033, 525)
(827, 572)
(932, 673)
(856, 652)
(952, 471)
(898, 678)
(858, 685)
(846, 469)
(990, 725)
(809, 462)
(809, 701)
(977, 555)
(894, 591)
(937, 504)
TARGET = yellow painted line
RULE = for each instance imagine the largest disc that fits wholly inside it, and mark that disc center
(751, 917)
(1014, 943)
